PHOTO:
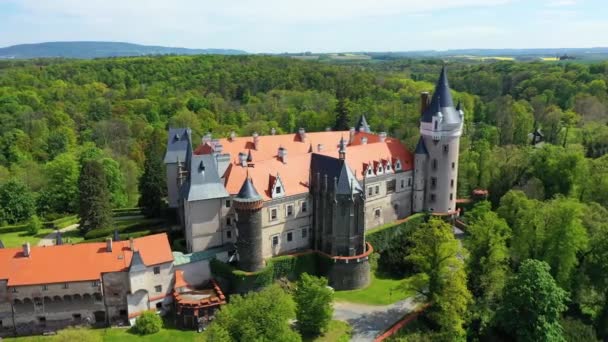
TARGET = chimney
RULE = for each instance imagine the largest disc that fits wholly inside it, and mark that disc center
(243, 159)
(320, 147)
(132, 244)
(232, 136)
(363, 140)
(424, 101)
(283, 155)
(207, 138)
(109, 245)
(382, 136)
(26, 249)
(302, 134)
(351, 138)
(256, 141)
(218, 148)
(273, 131)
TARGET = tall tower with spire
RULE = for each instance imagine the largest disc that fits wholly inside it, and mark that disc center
(436, 156)
(248, 205)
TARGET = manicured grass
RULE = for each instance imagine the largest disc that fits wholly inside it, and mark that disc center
(16, 239)
(381, 291)
(112, 335)
(392, 224)
(338, 331)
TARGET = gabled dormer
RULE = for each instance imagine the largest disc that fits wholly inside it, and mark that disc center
(368, 170)
(388, 168)
(277, 189)
(379, 167)
(397, 165)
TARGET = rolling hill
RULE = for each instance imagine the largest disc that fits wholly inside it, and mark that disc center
(100, 49)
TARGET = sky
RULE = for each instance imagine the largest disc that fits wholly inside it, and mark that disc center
(277, 26)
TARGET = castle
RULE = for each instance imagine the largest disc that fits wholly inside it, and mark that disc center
(275, 194)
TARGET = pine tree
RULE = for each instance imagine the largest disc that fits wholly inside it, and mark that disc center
(342, 115)
(95, 210)
(152, 185)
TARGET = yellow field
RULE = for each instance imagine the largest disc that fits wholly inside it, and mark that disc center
(550, 59)
(479, 58)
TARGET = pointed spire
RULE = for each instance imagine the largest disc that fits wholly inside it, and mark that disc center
(421, 147)
(342, 150)
(442, 102)
(362, 125)
(248, 193)
(137, 263)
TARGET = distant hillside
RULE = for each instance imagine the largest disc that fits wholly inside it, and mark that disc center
(100, 49)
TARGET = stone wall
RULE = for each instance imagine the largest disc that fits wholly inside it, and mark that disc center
(115, 290)
(349, 276)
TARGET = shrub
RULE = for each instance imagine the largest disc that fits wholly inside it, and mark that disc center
(34, 225)
(148, 323)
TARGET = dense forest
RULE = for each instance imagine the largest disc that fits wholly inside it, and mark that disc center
(547, 202)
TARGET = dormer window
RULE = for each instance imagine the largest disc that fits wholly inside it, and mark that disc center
(369, 171)
(398, 165)
(388, 166)
(277, 188)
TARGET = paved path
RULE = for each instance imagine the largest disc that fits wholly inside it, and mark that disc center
(49, 240)
(369, 321)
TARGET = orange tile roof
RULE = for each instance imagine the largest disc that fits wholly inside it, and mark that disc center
(80, 262)
(295, 173)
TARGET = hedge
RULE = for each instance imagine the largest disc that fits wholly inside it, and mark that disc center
(54, 224)
(62, 222)
(123, 237)
(13, 228)
(150, 224)
(382, 238)
(286, 266)
(122, 212)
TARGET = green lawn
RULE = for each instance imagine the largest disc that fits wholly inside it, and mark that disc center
(338, 331)
(112, 335)
(381, 291)
(16, 239)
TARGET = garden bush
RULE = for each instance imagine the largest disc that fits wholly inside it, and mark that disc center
(148, 323)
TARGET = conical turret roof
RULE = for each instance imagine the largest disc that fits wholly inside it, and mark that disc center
(362, 125)
(248, 193)
(442, 102)
(421, 147)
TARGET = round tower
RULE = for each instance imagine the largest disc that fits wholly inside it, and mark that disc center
(248, 205)
(440, 131)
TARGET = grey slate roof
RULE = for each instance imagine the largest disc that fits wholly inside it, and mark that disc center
(137, 263)
(248, 193)
(442, 102)
(178, 145)
(204, 181)
(362, 125)
(421, 147)
(336, 169)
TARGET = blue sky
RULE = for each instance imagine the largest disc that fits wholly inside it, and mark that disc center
(311, 25)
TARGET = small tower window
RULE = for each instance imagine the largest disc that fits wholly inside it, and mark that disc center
(434, 164)
(436, 122)
(446, 148)
(432, 198)
(453, 165)
(289, 236)
(229, 234)
(451, 197)
(433, 182)
(451, 183)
